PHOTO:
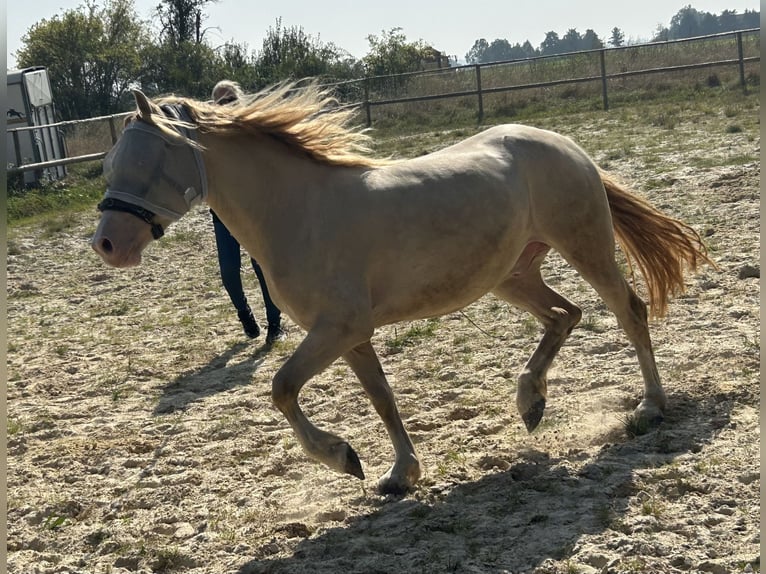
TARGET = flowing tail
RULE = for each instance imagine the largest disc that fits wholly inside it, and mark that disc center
(661, 245)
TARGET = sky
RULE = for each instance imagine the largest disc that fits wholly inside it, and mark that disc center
(449, 26)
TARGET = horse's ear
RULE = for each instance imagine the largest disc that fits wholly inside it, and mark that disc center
(144, 107)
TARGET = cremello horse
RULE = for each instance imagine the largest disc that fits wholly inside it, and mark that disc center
(349, 243)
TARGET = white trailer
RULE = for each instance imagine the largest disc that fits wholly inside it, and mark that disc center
(30, 103)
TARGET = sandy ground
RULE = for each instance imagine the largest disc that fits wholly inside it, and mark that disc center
(142, 437)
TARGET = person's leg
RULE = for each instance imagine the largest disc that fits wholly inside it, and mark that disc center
(230, 262)
(273, 314)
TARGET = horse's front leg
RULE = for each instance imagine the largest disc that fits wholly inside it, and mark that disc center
(318, 350)
(405, 472)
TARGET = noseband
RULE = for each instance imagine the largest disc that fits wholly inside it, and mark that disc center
(111, 204)
(114, 204)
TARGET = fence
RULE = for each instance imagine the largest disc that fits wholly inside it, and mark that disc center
(475, 84)
(18, 167)
(602, 67)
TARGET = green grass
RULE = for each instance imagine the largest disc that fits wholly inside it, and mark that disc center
(413, 335)
(51, 202)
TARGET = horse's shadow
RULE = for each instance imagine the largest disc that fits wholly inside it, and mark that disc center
(514, 520)
(217, 376)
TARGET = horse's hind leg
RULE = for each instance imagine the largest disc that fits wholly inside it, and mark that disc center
(406, 469)
(528, 291)
(602, 272)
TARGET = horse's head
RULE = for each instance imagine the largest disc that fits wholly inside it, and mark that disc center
(154, 174)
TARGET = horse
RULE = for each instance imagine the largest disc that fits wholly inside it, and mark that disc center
(349, 242)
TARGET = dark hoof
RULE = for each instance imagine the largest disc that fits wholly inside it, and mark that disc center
(392, 487)
(637, 426)
(353, 465)
(534, 415)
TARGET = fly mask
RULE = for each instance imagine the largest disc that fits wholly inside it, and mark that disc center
(149, 172)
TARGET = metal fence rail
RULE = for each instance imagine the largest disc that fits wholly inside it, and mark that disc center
(372, 92)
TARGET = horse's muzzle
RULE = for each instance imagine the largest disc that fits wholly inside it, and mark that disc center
(120, 238)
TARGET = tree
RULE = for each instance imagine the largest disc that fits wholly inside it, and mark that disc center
(591, 41)
(291, 53)
(476, 54)
(528, 50)
(391, 53)
(617, 38)
(570, 42)
(93, 54)
(236, 63)
(187, 69)
(180, 61)
(661, 34)
(551, 44)
(686, 23)
(181, 20)
(498, 51)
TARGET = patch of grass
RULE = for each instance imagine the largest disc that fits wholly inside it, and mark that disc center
(633, 566)
(54, 521)
(168, 560)
(14, 427)
(52, 202)
(530, 327)
(591, 323)
(416, 333)
(119, 310)
(653, 507)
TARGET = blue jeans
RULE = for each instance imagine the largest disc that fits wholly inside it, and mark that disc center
(230, 262)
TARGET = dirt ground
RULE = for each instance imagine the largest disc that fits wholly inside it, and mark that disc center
(142, 437)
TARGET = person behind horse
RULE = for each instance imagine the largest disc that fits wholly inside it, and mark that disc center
(227, 92)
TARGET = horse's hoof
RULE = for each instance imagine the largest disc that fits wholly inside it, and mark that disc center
(645, 418)
(394, 487)
(534, 415)
(353, 465)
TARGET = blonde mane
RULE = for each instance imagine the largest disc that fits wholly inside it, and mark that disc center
(306, 118)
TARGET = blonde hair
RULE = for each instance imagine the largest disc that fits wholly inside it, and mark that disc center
(306, 118)
(227, 91)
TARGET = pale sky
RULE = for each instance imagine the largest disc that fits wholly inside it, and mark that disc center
(449, 26)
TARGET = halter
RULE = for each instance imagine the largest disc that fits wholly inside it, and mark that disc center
(117, 200)
(111, 204)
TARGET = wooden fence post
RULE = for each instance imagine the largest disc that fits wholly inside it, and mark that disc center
(478, 91)
(741, 56)
(367, 101)
(602, 57)
(112, 130)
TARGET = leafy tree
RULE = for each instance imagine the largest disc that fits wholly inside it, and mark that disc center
(617, 38)
(661, 34)
(236, 63)
(476, 54)
(181, 20)
(551, 44)
(498, 51)
(590, 41)
(528, 50)
(188, 69)
(686, 23)
(93, 54)
(570, 42)
(391, 53)
(180, 61)
(290, 53)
